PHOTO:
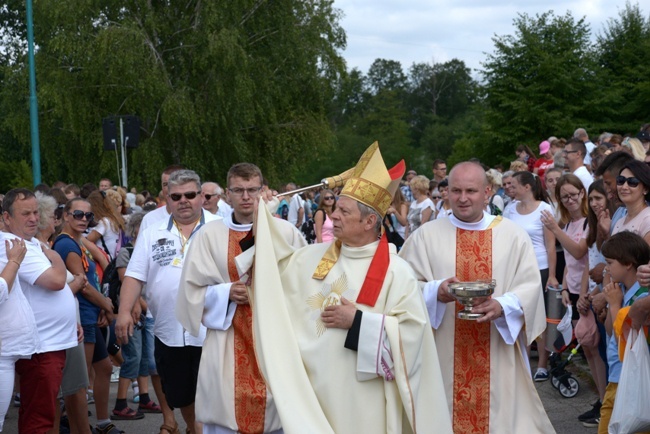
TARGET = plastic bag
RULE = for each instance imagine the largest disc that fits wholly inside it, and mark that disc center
(632, 404)
(565, 328)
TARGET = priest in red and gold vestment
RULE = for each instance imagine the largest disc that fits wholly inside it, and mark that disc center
(484, 362)
(231, 396)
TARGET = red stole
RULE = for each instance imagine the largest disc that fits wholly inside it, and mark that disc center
(472, 340)
(250, 389)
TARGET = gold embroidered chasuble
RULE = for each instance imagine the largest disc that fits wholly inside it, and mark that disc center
(503, 399)
(313, 376)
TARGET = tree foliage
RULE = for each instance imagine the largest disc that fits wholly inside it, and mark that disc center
(214, 83)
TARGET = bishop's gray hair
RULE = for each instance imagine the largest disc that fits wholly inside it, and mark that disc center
(367, 211)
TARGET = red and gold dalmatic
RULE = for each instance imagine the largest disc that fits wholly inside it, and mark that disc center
(250, 389)
(472, 339)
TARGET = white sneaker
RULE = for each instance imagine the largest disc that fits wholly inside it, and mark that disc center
(136, 392)
(115, 376)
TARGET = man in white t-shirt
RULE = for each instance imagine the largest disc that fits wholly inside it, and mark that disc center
(581, 134)
(157, 261)
(296, 208)
(42, 276)
(574, 154)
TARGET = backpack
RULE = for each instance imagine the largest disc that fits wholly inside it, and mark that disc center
(283, 210)
(111, 284)
(308, 230)
(494, 210)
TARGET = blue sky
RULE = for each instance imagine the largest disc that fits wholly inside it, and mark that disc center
(413, 31)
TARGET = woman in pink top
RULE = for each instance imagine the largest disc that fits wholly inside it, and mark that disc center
(322, 222)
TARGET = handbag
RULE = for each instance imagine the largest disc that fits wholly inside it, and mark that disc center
(587, 331)
(632, 403)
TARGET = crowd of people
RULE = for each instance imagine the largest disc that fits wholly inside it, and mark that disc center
(219, 298)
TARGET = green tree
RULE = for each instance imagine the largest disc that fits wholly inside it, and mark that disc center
(624, 57)
(214, 83)
(539, 81)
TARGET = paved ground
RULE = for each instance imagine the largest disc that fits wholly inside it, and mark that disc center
(562, 411)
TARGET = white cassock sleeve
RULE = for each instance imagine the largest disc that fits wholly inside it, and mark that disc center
(509, 325)
(218, 311)
(374, 356)
(435, 308)
(512, 321)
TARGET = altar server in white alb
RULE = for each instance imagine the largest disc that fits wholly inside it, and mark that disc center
(341, 330)
(485, 368)
(232, 396)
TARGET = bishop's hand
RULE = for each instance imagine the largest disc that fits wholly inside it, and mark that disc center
(340, 316)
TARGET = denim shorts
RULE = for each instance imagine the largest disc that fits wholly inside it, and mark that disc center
(134, 364)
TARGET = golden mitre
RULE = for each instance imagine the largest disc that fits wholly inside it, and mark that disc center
(372, 183)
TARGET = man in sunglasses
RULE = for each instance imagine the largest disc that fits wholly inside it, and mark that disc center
(232, 395)
(42, 276)
(574, 155)
(157, 261)
(163, 212)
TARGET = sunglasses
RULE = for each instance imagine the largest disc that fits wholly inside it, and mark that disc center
(632, 182)
(210, 196)
(189, 195)
(328, 198)
(79, 215)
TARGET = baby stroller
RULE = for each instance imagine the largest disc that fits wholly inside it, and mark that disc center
(562, 379)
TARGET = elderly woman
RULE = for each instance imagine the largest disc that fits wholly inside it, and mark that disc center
(422, 207)
(495, 203)
(75, 376)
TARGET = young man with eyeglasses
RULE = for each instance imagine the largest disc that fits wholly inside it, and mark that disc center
(157, 261)
(42, 276)
(574, 154)
(232, 395)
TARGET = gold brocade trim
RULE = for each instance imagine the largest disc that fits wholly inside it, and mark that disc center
(368, 193)
(471, 396)
(327, 261)
(250, 389)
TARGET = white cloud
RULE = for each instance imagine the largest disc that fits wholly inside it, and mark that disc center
(423, 31)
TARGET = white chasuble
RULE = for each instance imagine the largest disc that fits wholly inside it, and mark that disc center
(319, 386)
(504, 400)
(231, 393)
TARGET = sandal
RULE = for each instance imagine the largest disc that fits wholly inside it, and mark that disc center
(127, 413)
(169, 429)
(149, 407)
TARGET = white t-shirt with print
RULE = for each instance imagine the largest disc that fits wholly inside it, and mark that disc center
(157, 260)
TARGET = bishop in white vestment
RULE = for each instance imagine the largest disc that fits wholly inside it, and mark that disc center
(342, 333)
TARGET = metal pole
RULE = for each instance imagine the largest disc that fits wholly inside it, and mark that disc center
(123, 148)
(33, 101)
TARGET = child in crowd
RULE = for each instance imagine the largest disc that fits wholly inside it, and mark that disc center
(624, 253)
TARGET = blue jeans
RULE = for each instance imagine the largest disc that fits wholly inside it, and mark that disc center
(148, 345)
